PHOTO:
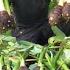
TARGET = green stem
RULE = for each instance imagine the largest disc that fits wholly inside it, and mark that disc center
(7, 6)
(1, 62)
(58, 32)
(15, 62)
(58, 55)
(49, 63)
(8, 66)
(17, 65)
(42, 54)
(2, 8)
(62, 64)
(49, 67)
(22, 62)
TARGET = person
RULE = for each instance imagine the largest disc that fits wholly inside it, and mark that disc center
(32, 21)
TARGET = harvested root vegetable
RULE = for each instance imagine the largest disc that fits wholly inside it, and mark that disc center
(66, 11)
(5, 21)
(23, 68)
(22, 64)
(5, 18)
(55, 15)
(63, 8)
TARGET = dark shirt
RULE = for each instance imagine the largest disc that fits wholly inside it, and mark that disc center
(31, 20)
(30, 12)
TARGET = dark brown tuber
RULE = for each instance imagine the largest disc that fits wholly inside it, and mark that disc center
(66, 11)
(55, 15)
(23, 68)
(5, 21)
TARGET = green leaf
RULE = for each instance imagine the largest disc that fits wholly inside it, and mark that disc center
(62, 64)
(34, 67)
(66, 56)
(8, 33)
(58, 32)
(25, 43)
(35, 51)
(57, 56)
(49, 62)
(9, 38)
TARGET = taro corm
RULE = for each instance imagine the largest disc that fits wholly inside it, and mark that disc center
(66, 11)
(5, 18)
(60, 16)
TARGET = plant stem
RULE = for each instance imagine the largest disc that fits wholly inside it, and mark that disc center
(2, 8)
(8, 66)
(15, 63)
(49, 63)
(1, 62)
(7, 6)
(58, 32)
(22, 62)
(42, 54)
(58, 55)
(62, 64)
